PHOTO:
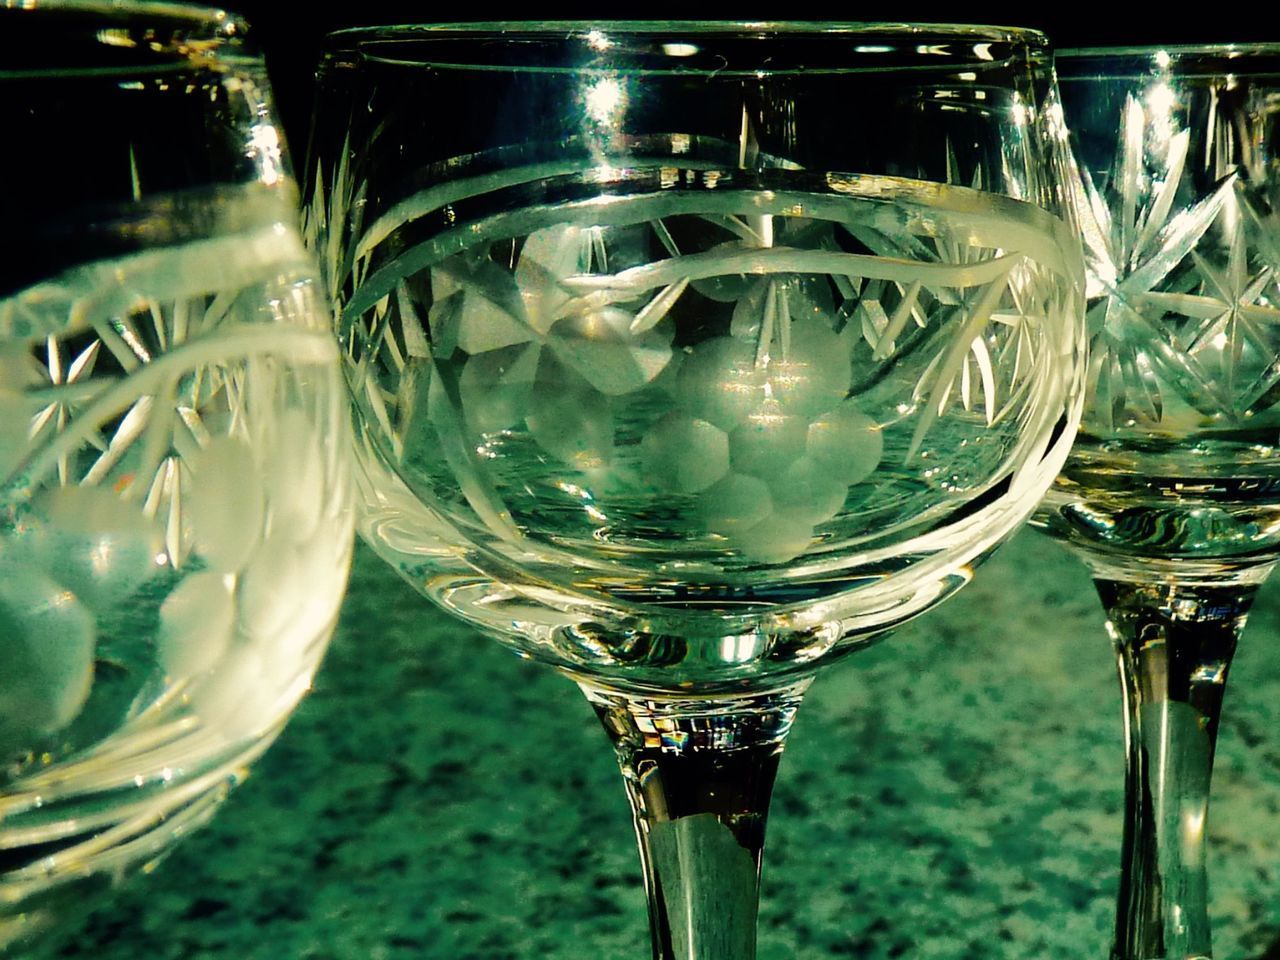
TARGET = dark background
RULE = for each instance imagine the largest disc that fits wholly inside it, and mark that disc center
(290, 33)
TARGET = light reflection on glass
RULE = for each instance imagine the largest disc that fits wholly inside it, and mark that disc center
(264, 145)
(605, 98)
(1161, 100)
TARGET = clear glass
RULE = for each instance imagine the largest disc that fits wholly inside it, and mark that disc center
(676, 373)
(175, 522)
(1170, 494)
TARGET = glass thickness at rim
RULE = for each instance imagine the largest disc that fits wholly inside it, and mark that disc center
(1254, 60)
(714, 48)
(66, 39)
(193, 15)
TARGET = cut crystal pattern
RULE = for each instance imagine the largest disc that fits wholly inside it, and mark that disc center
(569, 331)
(1183, 301)
(134, 454)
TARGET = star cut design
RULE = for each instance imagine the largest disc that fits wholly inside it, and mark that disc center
(1172, 316)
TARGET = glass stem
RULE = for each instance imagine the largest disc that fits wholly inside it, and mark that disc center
(699, 773)
(1174, 644)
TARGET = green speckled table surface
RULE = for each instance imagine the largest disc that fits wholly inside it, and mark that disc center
(952, 793)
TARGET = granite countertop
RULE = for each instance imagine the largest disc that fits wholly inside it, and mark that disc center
(952, 793)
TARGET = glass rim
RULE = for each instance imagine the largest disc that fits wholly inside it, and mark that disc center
(1210, 62)
(816, 27)
(194, 33)
(360, 40)
(1226, 50)
(218, 21)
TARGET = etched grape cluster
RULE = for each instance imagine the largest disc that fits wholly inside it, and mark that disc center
(164, 493)
(759, 430)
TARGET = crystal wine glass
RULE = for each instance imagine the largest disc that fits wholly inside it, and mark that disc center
(1170, 495)
(175, 522)
(689, 357)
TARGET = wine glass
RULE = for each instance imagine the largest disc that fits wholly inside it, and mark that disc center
(687, 358)
(175, 521)
(1170, 495)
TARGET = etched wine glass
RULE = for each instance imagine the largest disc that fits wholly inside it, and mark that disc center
(1170, 494)
(689, 357)
(175, 513)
